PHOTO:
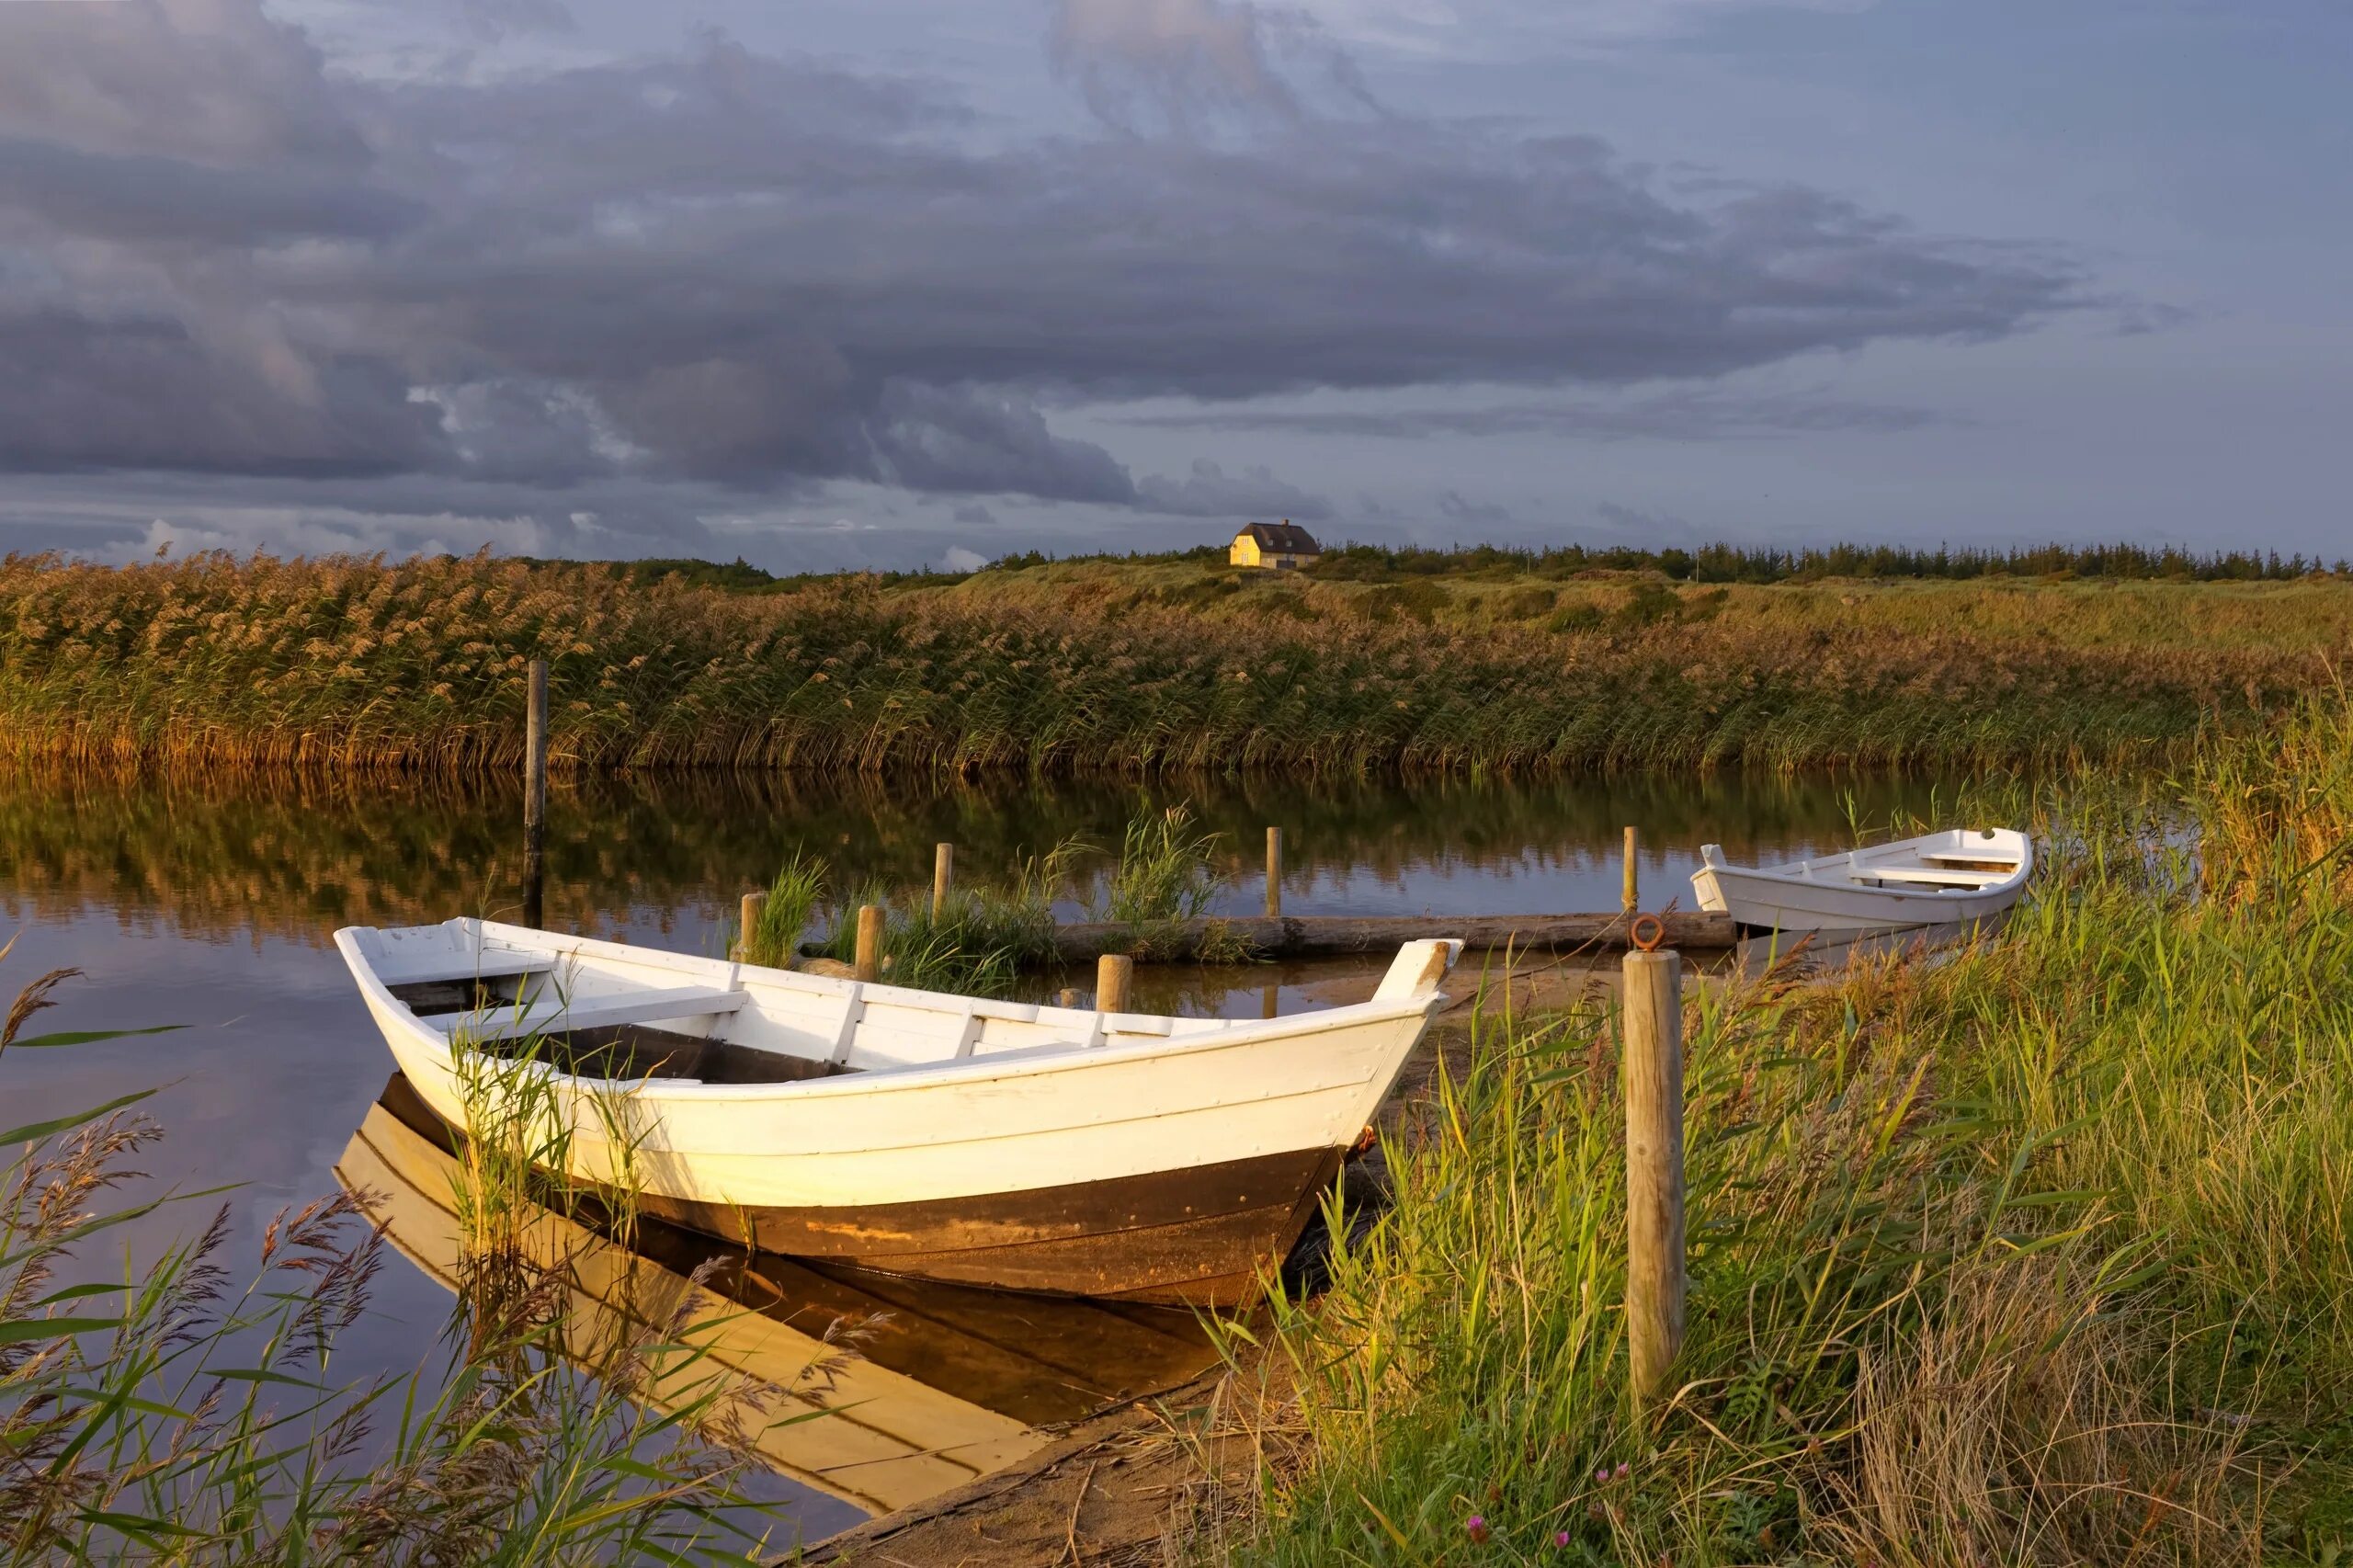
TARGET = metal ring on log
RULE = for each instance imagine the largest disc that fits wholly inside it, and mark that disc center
(1657, 934)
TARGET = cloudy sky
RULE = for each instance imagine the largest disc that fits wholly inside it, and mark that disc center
(895, 281)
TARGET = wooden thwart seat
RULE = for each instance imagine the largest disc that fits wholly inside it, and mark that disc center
(554, 1016)
(1935, 876)
(437, 964)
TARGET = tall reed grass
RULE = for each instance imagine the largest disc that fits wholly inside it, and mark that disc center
(2039, 1253)
(217, 663)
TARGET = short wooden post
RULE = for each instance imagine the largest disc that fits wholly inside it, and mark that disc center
(754, 903)
(1634, 900)
(1652, 1073)
(1114, 980)
(870, 942)
(943, 876)
(1274, 873)
(535, 794)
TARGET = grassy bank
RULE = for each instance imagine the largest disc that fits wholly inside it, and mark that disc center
(2041, 1254)
(212, 663)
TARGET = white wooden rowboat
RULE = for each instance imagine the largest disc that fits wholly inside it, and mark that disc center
(999, 1143)
(1963, 875)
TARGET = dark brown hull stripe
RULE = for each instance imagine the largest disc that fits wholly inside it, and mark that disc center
(1203, 1236)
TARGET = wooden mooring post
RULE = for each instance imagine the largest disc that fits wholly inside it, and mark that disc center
(943, 878)
(1652, 1074)
(1274, 873)
(1633, 899)
(534, 795)
(868, 967)
(1114, 976)
(754, 903)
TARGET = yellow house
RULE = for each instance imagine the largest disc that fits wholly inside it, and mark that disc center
(1282, 546)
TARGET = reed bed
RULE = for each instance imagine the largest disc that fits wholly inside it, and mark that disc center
(214, 663)
(2040, 1253)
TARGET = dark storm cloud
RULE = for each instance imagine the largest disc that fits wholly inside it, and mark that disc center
(1696, 414)
(751, 272)
(1455, 509)
(1209, 492)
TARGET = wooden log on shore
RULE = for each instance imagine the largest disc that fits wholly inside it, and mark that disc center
(1318, 935)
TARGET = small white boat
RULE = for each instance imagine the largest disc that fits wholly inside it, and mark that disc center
(1001, 1143)
(1963, 875)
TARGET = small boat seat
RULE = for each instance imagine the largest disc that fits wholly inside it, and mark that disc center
(554, 1015)
(1973, 858)
(436, 955)
(1933, 875)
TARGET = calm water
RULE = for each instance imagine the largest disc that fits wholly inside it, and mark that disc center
(213, 907)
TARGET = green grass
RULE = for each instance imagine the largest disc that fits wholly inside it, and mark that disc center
(2041, 1254)
(320, 666)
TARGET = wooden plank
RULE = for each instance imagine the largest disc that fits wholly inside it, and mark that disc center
(602, 1011)
(1934, 875)
(495, 963)
(1333, 935)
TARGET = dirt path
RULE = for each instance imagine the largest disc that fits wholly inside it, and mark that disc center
(1122, 1490)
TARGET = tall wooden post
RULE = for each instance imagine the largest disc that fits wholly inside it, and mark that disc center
(1274, 873)
(754, 903)
(1634, 900)
(535, 794)
(1652, 1074)
(1114, 976)
(870, 942)
(943, 878)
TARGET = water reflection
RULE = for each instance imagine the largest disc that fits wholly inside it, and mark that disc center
(923, 1387)
(299, 856)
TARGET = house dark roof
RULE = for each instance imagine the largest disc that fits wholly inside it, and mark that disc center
(1284, 539)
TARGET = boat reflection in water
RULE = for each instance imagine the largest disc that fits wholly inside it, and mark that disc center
(925, 1386)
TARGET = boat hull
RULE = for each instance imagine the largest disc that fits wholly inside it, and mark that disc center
(1760, 904)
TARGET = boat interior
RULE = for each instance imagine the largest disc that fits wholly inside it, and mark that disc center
(1959, 859)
